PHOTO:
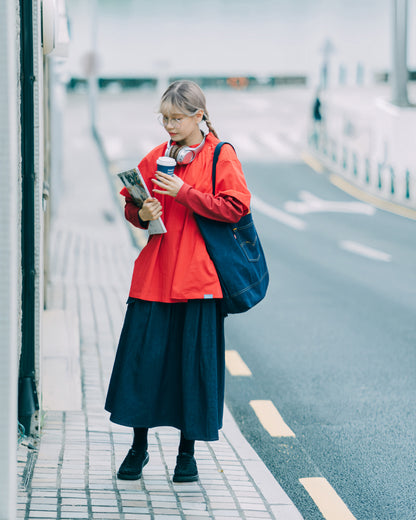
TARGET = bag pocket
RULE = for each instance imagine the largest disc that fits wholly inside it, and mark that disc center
(248, 240)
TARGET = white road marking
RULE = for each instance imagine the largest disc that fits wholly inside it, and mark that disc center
(277, 214)
(368, 252)
(244, 145)
(327, 499)
(281, 149)
(312, 204)
(271, 419)
(235, 365)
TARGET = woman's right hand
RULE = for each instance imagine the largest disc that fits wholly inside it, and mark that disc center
(151, 209)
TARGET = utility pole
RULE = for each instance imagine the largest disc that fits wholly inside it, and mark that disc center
(399, 71)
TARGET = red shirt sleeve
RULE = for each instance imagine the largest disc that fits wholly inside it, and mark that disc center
(224, 208)
(131, 211)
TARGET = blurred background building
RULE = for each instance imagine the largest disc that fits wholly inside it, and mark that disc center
(222, 38)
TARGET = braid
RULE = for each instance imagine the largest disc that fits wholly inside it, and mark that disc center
(209, 125)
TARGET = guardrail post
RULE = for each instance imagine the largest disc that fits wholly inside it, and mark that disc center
(407, 184)
(392, 175)
(367, 170)
(360, 74)
(380, 182)
(355, 164)
(344, 157)
(334, 150)
(342, 75)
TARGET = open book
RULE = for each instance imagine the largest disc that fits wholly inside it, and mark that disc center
(133, 181)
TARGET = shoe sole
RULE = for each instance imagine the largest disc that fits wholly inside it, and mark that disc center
(135, 476)
(191, 478)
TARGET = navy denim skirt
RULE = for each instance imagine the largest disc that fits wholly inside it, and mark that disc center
(169, 368)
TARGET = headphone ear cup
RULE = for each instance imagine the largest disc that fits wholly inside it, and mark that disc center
(173, 152)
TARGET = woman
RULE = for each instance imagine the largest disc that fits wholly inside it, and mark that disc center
(169, 366)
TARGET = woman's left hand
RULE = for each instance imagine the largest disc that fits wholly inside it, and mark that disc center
(168, 184)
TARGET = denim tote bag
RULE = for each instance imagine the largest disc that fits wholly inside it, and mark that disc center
(238, 257)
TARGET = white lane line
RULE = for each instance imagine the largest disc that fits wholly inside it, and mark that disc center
(270, 419)
(235, 365)
(368, 252)
(244, 145)
(313, 204)
(326, 498)
(277, 214)
(280, 148)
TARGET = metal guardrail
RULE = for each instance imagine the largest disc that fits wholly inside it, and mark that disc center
(378, 178)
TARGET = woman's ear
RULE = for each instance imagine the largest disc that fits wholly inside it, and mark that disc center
(199, 115)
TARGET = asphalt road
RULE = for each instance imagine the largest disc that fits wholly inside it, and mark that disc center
(333, 345)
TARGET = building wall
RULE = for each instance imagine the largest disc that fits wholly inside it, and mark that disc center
(9, 256)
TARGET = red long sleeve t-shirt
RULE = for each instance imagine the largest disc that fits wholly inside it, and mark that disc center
(175, 266)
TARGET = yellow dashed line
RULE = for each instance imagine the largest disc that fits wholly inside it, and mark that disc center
(311, 161)
(235, 365)
(326, 498)
(271, 419)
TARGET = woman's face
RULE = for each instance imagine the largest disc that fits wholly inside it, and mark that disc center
(183, 129)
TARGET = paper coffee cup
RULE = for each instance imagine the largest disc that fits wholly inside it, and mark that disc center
(166, 165)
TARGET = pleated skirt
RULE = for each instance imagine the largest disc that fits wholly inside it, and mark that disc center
(169, 368)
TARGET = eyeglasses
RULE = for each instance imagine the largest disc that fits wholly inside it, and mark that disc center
(175, 122)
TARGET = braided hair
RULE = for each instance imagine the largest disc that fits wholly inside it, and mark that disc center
(186, 96)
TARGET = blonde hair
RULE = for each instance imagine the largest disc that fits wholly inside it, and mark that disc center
(187, 97)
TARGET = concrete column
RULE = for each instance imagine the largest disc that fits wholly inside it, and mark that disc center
(9, 258)
(399, 74)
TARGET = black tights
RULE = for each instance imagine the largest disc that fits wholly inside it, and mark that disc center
(140, 442)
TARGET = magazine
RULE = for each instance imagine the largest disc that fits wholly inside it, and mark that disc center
(133, 181)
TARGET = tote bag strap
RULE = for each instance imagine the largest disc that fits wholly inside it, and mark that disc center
(215, 160)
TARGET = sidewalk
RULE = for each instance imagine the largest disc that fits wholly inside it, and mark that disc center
(72, 473)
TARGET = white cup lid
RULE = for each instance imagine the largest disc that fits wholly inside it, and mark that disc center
(166, 161)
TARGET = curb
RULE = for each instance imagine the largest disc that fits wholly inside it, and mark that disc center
(280, 504)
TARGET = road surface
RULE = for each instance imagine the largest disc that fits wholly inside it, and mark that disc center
(327, 395)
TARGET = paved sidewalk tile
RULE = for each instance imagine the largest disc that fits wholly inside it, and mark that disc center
(72, 472)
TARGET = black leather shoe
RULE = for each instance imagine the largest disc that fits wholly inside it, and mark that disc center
(185, 470)
(132, 466)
